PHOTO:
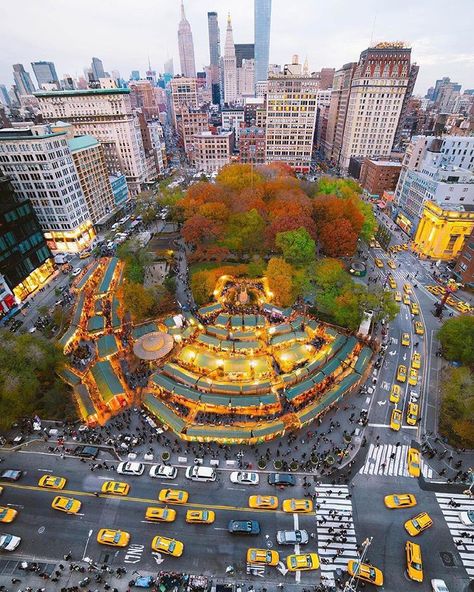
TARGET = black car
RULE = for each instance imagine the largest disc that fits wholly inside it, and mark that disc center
(11, 475)
(86, 451)
(244, 527)
(283, 479)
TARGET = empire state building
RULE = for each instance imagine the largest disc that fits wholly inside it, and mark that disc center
(186, 46)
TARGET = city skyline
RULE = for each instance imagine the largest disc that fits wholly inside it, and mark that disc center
(326, 36)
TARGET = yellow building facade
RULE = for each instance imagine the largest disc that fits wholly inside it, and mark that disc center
(441, 232)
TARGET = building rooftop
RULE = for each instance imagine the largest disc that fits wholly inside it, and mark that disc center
(88, 91)
(209, 134)
(386, 163)
(15, 133)
(82, 142)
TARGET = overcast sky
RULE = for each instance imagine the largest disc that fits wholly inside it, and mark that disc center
(123, 33)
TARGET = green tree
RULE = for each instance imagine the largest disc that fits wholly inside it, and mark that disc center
(256, 267)
(370, 223)
(457, 407)
(136, 259)
(457, 339)
(141, 302)
(244, 232)
(297, 246)
(280, 276)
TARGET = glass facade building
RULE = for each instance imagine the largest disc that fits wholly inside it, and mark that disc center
(262, 15)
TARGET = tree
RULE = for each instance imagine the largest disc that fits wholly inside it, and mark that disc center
(141, 302)
(256, 267)
(280, 280)
(235, 177)
(136, 259)
(244, 232)
(457, 407)
(297, 246)
(199, 230)
(457, 339)
(337, 238)
(347, 310)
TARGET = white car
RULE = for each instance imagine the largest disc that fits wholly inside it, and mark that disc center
(76, 271)
(439, 586)
(163, 472)
(8, 542)
(244, 478)
(467, 518)
(130, 468)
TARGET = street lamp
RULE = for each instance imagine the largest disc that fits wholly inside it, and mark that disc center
(349, 587)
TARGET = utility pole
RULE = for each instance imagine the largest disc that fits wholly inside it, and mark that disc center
(349, 587)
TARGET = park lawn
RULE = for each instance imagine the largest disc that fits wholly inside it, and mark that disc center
(207, 265)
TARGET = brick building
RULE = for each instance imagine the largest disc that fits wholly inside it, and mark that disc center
(377, 176)
(252, 145)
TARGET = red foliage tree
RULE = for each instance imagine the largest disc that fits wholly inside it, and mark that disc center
(337, 238)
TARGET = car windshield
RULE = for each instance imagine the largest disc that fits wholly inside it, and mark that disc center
(68, 505)
(116, 538)
(416, 566)
(3, 513)
(205, 515)
(172, 546)
(470, 516)
(416, 524)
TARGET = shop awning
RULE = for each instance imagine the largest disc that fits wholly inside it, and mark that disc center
(96, 323)
(219, 433)
(84, 401)
(144, 330)
(268, 429)
(331, 367)
(337, 344)
(299, 389)
(347, 349)
(180, 374)
(210, 309)
(107, 346)
(69, 376)
(106, 282)
(107, 381)
(363, 360)
(164, 413)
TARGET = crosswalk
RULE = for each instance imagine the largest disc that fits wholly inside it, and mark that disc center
(460, 532)
(334, 554)
(379, 461)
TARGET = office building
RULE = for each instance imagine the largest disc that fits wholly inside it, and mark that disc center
(5, 96)
(399, 140)
(26, 262)
(97, 68)
(145, 96)
(244, 51)
(107, 115)
(168, 67)
(186, 46)
(233, 118)
(326, 78)
(41, 168)
(291, 117)
(230, 66)
(262, 20)
(135, 75)
(251, 104)
(23, 82)
(212, 150)
(184, 93)
(188, 123)
(246, 79)
(252, 145)
(119, 189)
(45, 74)
(377, 176)
(464, 269)
(214, 56)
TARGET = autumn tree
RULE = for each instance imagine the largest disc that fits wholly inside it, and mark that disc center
(244, 232)
(297, 246)
(235, 177)
(280, 280)
(337, 238)
(200, 230)
(141, 302)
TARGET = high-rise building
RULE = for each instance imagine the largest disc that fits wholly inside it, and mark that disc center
(135, 75)
(45, 73)
(5, 96)
(244, 51)
(291, 117)
(186, 46)
(252, 145)
(189, 122)
(107, 115)
(184, 93)
(145, 96)
(230, 66)
(246, 79)
(41, 168)
(23, 82)
(97, 68)
(262, 21)
(168, 67)
(402, 120)
(214, 56)
(464, 270)
(372, 112)
(232, 119)
(212, 150)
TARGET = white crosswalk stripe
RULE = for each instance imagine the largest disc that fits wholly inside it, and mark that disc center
(379, 461)
(463, 536)
(330, 498)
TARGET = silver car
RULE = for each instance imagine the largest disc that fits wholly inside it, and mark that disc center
(292, 537)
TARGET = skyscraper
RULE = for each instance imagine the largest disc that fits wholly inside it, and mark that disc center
(97, 68)
(186, 46)
(214, 55)
(168, 67)
(23, 80)
(262, 19)
(45, 73)
(230, 66)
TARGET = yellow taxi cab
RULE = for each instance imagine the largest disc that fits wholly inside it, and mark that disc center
(413, 377)
(402, 373)
(416, 361)
(418, 524)
(392, 283)
(407, 289)
(406, 339)
(397, 248)
(365, 572)
(414, 561)
(404, 247)
(304, 562)
(162, 544)
(419, 329)
(434, 289)
(200, 516)
(264, 502)
(413, 462)
(415, 309)
(7, 514)
(173, 496)
(114, 538)
(297, 505)
(262, 557)
(398, 296)
(155, 514)
(396, 419)
(115, 487)
(378, 262)
(399, 501)
(406, 299)
(85, 254)
(52, 482)
(68, 505)
(391, 263)
(395, 393)
(412, 413)
(463, 307)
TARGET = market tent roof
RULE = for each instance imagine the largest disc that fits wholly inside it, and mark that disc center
(219, 332)
(84, 401)
(297, 323)
(180, 374)
(223, 319)
(106, 380)
(206, 361)
(280, 329)
(208, 340)
(236, 322)
(143, 330)
(104, 285)
(249, 335)
(212, 399)
(236, 365)
(78, 308)
(299, 389)
(163, 382)
(329, 398)
(363, 360)
(68, 336)
(115, 318)
(267, 429)
(107, 346)
(230, 388)
(219, 432)
(272, 309)
(69, 376)
(331, 331)
(337, 344)
(164, 413)
(312, 324)
(293, 355)
(169, 322)
(153, 346)
(348, 347)
(98, 306)
(256, 386)
(318, 378)
(96, 323)
(210, 309)
(86, 277)
(315, 365)
(243, 345)
(288, 337)
(331, 366)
